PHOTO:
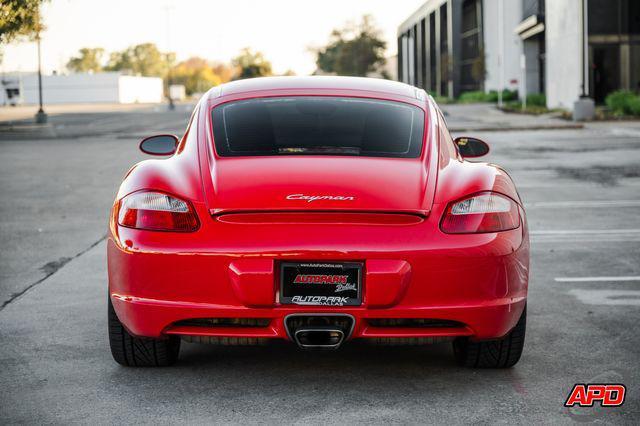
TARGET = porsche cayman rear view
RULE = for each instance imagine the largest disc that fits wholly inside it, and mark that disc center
(319, 211)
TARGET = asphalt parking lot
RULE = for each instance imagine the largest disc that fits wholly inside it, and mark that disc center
(582, 192)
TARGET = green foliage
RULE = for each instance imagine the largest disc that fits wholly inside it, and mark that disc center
(354, 50)
(19, 18)
(516, 106)
(198, 75)
(634, 106)
(471, 97)
(508, 95)
(621, 102)
(443, 100)
(537, 99)
(251, 64)
(492, 96)
(88, 60)
(143, 59)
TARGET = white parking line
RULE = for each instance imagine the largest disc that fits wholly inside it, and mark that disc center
(594, 279)
(585, 203)
(584, 235)
(583, 231)
(607, 297)
(632, 182)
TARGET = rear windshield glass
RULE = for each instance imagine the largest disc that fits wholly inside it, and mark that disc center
(318, 125)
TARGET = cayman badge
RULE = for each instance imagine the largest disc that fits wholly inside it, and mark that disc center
(310, 198)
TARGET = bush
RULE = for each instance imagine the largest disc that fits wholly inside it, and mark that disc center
(509, 95)
(516, 106)
(634, 106)
(440, 100)
(492, 96)
(619, 102)
(537, 99)
(470, 97)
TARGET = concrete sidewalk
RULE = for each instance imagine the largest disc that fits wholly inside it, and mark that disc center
(90, 120)
(486, 117)
(26, 113)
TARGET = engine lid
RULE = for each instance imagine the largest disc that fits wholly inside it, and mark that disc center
(319, 183)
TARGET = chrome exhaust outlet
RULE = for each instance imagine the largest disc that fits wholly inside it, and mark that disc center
(324, 331)
(319, 338)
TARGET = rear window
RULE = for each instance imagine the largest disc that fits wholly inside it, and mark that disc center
(304, 125)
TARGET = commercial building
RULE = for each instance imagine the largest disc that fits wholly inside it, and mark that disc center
(452, 46)
(107, 87)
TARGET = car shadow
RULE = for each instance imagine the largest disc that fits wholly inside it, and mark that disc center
(358, 383)
(283, 356)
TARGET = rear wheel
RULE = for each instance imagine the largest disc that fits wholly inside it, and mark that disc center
(139, 352)
(503, 353)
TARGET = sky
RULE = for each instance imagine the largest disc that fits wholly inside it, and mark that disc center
(283, 30)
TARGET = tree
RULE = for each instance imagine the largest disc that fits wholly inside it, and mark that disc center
(199, 75)
(196, 74)
(251, 64)
(88, 60)
(19, 18)
(144, 59)
(354, 50)
(223, 71)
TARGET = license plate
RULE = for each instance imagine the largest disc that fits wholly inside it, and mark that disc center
(321, 283)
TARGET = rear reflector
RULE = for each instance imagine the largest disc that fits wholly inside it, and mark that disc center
(226, 341)
(414, 322)
(223, 322)
(483, 212)
(156, 211)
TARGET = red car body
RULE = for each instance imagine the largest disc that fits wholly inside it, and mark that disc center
(254, 213)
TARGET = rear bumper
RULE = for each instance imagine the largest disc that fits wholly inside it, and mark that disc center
(230, 271)
(157, 318)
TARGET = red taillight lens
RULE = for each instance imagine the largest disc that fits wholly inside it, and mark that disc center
(484, 212)
(155, 211)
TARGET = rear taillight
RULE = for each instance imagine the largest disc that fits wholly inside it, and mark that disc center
(483, 212)
(156, 211)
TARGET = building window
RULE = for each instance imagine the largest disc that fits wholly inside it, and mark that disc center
(613, 46)
(416, 57)
(471, 55)
(445, 57)
(423, 54)
(432, 53)
(603, 16)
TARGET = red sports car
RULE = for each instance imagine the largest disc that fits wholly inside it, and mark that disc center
(317, 210)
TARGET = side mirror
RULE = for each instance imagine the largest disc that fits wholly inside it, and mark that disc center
(159, 145)
(471, 147)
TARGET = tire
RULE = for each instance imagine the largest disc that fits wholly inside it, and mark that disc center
(503, 353)
(139, 352)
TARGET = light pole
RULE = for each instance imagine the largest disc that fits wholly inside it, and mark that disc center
(584, 107)
(168, 10)
(41, 116)
(585, 49)
(501, 49)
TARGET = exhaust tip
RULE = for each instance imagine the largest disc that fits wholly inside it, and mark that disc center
(319, 331)
(310, 338)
